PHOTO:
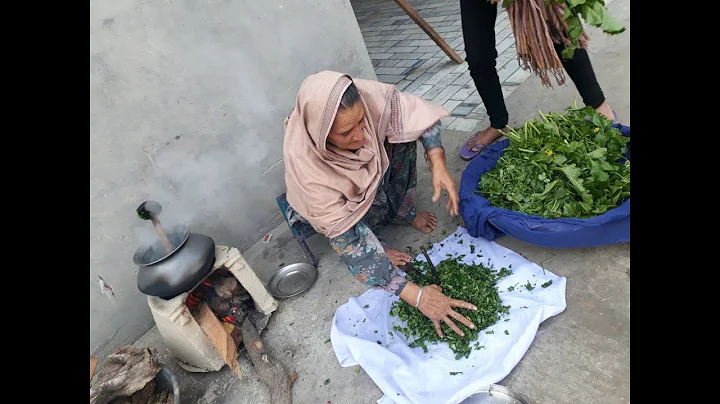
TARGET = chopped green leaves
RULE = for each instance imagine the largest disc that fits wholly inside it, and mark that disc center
(474, 284)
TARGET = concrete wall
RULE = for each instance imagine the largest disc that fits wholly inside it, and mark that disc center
(187, 99)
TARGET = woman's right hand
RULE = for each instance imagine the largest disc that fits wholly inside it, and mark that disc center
(438, 307)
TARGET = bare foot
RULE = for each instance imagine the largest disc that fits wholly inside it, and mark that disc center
(483, 138)
(605, 110)
(398, 257)
(478, 142)
(425, 222)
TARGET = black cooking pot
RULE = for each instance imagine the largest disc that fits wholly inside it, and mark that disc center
(168, 274)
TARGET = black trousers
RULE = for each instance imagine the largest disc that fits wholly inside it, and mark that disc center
(478, 24)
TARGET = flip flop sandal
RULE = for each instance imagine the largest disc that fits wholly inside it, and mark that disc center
(468, 153)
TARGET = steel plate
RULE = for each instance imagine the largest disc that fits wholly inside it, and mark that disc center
(496, 394)
(292, 280)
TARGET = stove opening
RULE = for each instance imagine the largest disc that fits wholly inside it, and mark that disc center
(227, 299)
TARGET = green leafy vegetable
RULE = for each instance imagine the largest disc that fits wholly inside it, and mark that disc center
(561, 165)
(546, 284)
(593, 12)
(474, 284)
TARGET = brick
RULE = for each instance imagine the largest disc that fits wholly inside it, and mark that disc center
(499, 26)
(445, 94)
(519, 76)
(422, 79)
(504, 33)
(463, 93)
(505, 57)
(447, 121)
(465, 80)
(448, 80)
(433, 92)
(411, 55)
(422, 42)
(462, 67)
(458, 42)
(501, 19)
(505, 44)
(464, 124)
(371, 44)
(450, 28)
(406, 63)
(426, 49)
(412, 86)
(386, 63)
(507, 71)
(479, 110)
(450, 105)
(380, 56)
(389, 78)
(378, 49)
(421, 90)
(395, 37)
(402, 86)
(402, 49)
(390, 70)
(435, 19)
(474, 98)
(438, 76)
(389, 43)
(462, 110)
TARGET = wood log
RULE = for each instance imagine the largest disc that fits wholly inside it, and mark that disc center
(93, 363)
(271, 372)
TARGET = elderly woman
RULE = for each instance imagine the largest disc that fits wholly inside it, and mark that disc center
(351, 167)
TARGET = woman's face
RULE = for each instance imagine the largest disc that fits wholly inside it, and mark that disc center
(348, 130)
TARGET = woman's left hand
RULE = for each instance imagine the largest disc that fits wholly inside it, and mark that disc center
(442, 179)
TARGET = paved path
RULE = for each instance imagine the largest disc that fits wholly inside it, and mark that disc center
(405, 56)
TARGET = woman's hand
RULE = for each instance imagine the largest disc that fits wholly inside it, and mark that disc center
(438, 307)
(442, 179)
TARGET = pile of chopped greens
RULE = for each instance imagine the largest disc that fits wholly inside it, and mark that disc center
(471, 283)
(561, 165)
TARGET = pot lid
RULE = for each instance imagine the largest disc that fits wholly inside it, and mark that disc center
(292, 280)
(150, 254)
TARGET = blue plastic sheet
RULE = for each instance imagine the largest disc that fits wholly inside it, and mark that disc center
(489, 222)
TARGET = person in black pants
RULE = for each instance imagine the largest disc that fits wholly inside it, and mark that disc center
(478, 24)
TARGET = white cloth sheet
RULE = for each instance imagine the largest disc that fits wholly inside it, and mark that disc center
(360, 331)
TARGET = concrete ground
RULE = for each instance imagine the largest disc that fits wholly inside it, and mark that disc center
(580, 356)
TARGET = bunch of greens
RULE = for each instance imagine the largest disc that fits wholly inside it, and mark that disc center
(561, 166)
(593, 12)
(471, 283)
